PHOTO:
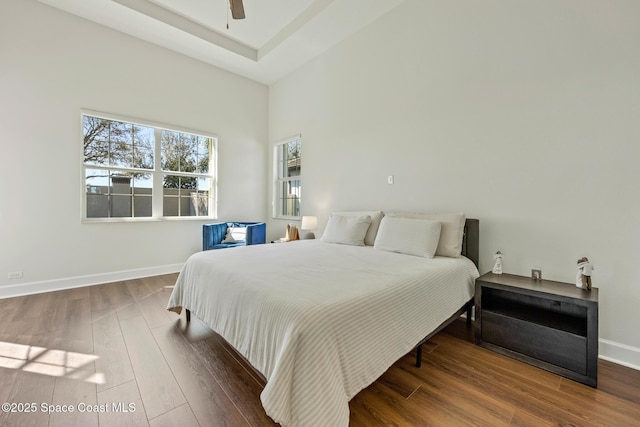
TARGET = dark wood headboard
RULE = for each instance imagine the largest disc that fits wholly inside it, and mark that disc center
(471, 240)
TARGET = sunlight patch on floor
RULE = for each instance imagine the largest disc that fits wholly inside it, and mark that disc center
(45, 361)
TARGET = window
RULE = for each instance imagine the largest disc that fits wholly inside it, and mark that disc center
(287, 168)
(138, 170)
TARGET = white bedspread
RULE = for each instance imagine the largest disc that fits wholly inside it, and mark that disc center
(320, 321)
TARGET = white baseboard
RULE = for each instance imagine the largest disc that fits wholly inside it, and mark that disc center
(80, 281)
(621, 354)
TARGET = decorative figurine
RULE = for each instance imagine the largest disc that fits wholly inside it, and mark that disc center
(291, 233)
(583, 277)
(497, 267)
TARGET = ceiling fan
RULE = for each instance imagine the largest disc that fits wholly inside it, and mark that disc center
(237, 9)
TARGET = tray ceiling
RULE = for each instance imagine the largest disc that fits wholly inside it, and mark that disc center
(276, 37)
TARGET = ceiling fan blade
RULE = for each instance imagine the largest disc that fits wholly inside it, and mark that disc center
(237, 9)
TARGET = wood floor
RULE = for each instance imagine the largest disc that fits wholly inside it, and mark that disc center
(114, 355)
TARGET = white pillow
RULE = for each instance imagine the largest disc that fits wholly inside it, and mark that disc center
(376, 217)
(450, 244)
(235, 235)
(408, 236)
(346, 229)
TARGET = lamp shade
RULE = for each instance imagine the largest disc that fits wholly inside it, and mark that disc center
(309, 223)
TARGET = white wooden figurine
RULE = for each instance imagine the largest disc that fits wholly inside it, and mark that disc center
(583, 277)
(497, 267)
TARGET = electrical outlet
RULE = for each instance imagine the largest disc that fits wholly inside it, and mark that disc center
(536, 274)
(390, 179)
(15, 275)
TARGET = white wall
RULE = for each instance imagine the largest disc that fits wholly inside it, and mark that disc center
(52, 64)
(524, 114)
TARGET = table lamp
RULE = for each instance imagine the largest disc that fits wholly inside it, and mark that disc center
(309, 223)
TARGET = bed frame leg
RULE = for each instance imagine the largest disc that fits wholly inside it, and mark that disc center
(188, 315)
(419, 356)
(469, 309)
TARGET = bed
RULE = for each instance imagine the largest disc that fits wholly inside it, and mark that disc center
(322, 320)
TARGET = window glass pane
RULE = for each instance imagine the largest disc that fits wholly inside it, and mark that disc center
(108, 142)
(293, 152)
(142, 185)
(110, 193)
(97, 188)
(188, 203)
(169, 151)
(97, 181)
(121, 200)
(187, 196)
(120, 144)
(204, 185)
(95, 140)
(189, 152)
(184, 182)
(170, 205)
(171, 192)
(199, 199)
(142, 205)
(120, 183)
(143, 147)
(290, 198)
(96, 152)
(97, 205)
(121, 206)
(183, 152)
(204, 148)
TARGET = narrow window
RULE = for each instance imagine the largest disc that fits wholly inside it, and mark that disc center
(287, 166)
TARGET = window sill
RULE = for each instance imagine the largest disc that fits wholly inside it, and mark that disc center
(288, 218)
(146, 219)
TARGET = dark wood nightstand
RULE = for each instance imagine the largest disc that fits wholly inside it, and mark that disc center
(551, 325)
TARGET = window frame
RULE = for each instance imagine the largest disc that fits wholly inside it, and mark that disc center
(278, 180)
(156, 172)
